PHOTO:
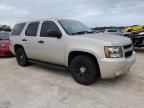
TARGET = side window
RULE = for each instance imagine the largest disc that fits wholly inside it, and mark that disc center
(46, 26)
(17, 29)
(32, 29)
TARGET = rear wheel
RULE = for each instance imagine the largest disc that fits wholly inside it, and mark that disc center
(84, 70)
(21, 57)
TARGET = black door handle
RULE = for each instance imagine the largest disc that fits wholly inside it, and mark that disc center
(24, 40)
(40, 41)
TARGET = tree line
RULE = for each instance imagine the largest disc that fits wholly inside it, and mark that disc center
(5, 28)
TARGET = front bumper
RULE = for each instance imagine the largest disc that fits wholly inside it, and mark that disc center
(113, 67)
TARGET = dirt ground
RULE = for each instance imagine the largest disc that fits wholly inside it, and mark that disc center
(40, 87)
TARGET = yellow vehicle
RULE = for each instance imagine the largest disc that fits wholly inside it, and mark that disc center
(134, 28)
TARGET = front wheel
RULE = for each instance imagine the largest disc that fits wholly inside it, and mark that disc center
(21, 57)
(84, 70)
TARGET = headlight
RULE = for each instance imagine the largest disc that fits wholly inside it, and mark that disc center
(3, 45)
(113, 52)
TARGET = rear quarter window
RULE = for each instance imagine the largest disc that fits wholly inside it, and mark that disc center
(17, 29)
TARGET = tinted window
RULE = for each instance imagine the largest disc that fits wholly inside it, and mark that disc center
(4, 36)
(18, 29)
(32, 29)
(46, 26)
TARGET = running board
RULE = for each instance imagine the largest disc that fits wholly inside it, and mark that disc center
(50, 65)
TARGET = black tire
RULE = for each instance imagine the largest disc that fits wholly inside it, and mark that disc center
(21, 57)
(84, 70)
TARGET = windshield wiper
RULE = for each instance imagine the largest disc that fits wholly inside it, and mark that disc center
(83, 32)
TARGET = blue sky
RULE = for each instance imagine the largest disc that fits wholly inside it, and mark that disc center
(91, 12)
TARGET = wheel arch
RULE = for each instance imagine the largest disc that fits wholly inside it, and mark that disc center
(17, 46)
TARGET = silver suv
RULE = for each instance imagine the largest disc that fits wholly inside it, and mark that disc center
(73, 45)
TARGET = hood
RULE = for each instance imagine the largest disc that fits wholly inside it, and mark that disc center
(116, 40)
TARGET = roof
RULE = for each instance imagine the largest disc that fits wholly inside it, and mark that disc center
(49, 19)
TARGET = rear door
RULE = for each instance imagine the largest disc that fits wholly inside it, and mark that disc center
(30, 39)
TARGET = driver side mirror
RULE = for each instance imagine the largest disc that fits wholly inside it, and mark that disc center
(54, 33)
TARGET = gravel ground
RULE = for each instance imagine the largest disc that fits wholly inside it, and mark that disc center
(40, 87)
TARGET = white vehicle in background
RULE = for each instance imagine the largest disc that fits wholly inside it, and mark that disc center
(114, 32)
(117, 32)
(71, 44)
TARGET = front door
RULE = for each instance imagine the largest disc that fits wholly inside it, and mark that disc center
(50, 48)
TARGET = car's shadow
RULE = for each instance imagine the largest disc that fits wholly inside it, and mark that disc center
(60, 71)
(7, 57)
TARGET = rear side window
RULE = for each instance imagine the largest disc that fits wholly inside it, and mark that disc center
(32, 29)
(18, 29)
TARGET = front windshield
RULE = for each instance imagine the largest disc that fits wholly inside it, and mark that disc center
(74, 27)
(4, 36)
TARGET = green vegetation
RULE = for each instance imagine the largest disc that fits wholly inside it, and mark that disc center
(5, 28)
